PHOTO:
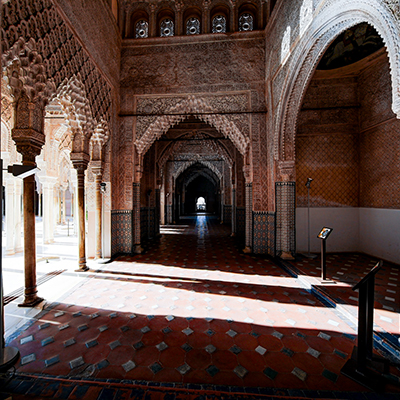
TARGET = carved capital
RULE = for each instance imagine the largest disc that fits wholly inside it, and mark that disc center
(29, 143)
(97, 168)
(80, 161)
(247, 173)
(286, 171)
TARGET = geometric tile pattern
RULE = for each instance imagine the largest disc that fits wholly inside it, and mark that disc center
(227, 214)
(331, 161)
(240, 222)
(147, 222)
(285, 200)
(121, 231)
(264, 233)
(346, 270)
(192, 309)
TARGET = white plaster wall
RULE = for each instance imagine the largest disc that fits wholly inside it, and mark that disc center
(343, 220)
(380, 233)
(91, 235)
(372, 231)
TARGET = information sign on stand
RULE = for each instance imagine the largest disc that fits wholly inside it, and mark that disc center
(323, 235)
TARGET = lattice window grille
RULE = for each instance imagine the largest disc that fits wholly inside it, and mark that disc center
(167, 27)
(246, 22)
(193, 26)
(219, 24)
(141, 29)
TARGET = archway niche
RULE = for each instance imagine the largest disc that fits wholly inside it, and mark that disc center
(191, 159)
(347, 141)
(198, 182)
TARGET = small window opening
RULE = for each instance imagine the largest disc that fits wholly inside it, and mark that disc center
(201, 204)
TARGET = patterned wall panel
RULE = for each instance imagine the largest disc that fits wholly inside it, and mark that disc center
(240, 221)
(227, 214)
(332, 162)
(264, 233)
(121, 231)
(285, 200)
(147, 223)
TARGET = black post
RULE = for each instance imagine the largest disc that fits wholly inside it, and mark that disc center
(370, 315)
(323, 259)
(362, 329)
(362, 365)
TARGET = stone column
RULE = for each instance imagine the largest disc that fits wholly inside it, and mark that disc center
(46, 212)
(285, 202)
(153, 22)
(249, 217)
(59, 201)
(137, 248)
(29, 138)
(233, 216)
(206, 17)
(81, 165)
(179, 24)
(233, 21)
(222, 207)
(48, 208)
(10, 213)
(98, 174)
(52, 204)
(157, 213)
(18, 216)
(63, 220)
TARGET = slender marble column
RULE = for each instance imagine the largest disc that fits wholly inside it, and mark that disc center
(98, 213)
(31, 298)
(233, 211)
(18, 216)
(10, 194)
(137, 248)
(249, 217)
(80, 166)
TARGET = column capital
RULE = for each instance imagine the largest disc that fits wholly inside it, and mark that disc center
(29, 143)
(50, 181)
(286, 170)
(97, 168)
(247, 173)
(80, 161)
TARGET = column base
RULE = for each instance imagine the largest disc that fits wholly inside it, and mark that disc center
(137, 249)
(247, 250)
(286, 256)
(9, 358)
(82, 268)
(31, 301)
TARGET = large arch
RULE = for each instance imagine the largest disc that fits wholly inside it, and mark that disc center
(334, 17)
(203, 110)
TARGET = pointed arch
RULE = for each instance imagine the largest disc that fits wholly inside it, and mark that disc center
(182, 168)
(204, 111)
(334, 18)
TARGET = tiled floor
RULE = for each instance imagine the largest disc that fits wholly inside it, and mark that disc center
(194, 310)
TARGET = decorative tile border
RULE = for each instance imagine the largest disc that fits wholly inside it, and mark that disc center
(121, 231)
(264, 232)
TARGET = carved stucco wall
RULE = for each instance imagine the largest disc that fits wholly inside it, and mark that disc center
(289, 82)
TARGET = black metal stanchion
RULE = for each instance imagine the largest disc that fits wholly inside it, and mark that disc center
(363, 367)
(323, 235)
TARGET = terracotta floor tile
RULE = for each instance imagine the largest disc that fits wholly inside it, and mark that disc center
(224, 360)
